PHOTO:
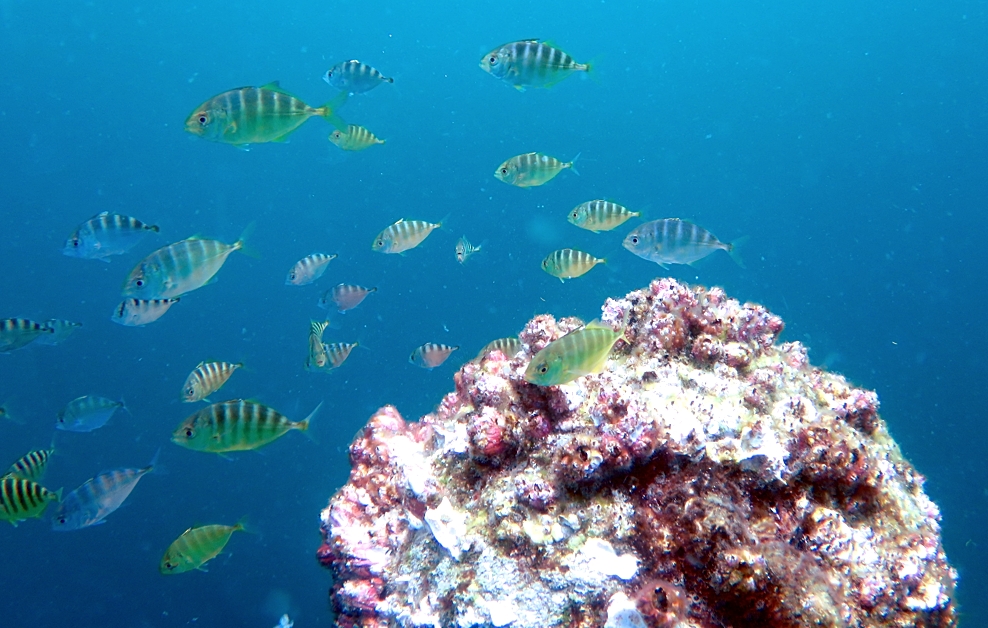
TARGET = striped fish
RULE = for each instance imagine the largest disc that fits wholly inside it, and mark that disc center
(22, 499)
(308, 269)
(236, 425)
(464, 249)
(87, 413)
(106, 234)
(197, 546)
(18, 332)
(97, 498)
(578, 353)
(569, 263)
(139, 312)
(61, 331)
(530, 63)
(600, 215)
(338, 352)
(344, 296)
(317, 350)
(532, 169)
(403, 235)
(354, 77)
(675, 241)
(205, 379)
(32, 465)
(431, 355)
(507, 346)
(354, 138)
(254, 115)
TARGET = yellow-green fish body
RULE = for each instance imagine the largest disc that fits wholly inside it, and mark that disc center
(600, 215)
(530, 63)
(569, 263)
(22, 499)
(354, 138)
(578, 353)
(531, 169)
(207, 378)
(403, 235)
(18, 332)
(196, 546)
(32, 465)
(317, 350)
(178, 268)
(236, 425)
(507, 346)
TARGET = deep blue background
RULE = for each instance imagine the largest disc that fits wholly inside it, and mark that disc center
(846, 138)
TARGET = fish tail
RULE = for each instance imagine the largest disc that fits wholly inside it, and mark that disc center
(241, 243)
(123, 404)
(154, 465)
(243, 526)
(328, 111)
(154, 228)
(58, 494)
(732, 250)
(572, 164)
(303, 425)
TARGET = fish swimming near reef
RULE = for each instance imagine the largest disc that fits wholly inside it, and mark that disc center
(32, 465)
(22, 499)
(578, 353)
(431, 355)
(140, 312)
(509, 347)
(255, 115)
(236, 425)
(464, 250)
(106, 234)
(344, 296)
(675, 241)
(20, 332)
(530, 63)
(337, 353)
(87, 413)
(354, 138)
(197, 546)
(569, 263)
(207, 378)
(355, 77)
(532, 169)
(600, 215)
(403, 235)
(97, 498)
(62, 329)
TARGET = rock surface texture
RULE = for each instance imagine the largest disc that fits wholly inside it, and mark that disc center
(708, 477)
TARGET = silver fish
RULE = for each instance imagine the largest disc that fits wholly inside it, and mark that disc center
(61, 331)
(675, 241)
(106, 234)
(19, 332)
(431, 355)
(403, 235)
(344, 296)
(308, 269)
(139, 312)
(355, 77)
(464, 249)
(89, 504)
(530, 63)
(87, 413)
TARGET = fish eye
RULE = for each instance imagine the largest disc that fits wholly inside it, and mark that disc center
(634, 240)
(291, 276)
(543, 369)
(75, 242)
(203, 119)
(139, 283)
(574, 214)
(189, 432)
(380, 242)
(190, 391)
(61, 519)
(492, 60)
(504, 171)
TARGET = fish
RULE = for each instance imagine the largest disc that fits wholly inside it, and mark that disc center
(431, 355)
(530, 63)
(87, 413)
(308, 269)
(235, 425)
(464, 249)
(569, 263)
(179, 268)
(403, 235)
(532, 169)
(20, 332)
(22, 499)
(256, 115)
(61, 331)
(509, 347)
(355, 77)
(5, 414)
(344, 296)
(197, 546)
(317, 350)
(32, 465)
(140, 312)
(106, 234)
(600, 215)
(97, 498)
(675, 241)
(354, 138)
(578, 353)
(338, 352)
(205, 379)
(285, 622)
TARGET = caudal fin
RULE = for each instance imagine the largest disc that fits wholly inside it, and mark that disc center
(732, 250)
(328, 111)
(572, 164)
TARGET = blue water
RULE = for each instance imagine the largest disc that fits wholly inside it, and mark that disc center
(847, 139)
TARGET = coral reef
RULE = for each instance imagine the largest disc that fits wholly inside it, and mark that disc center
(708, 477)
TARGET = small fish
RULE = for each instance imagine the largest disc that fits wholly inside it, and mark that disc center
(62, 330)
(22, 499)
(97, 498)
(532, 169)
(255, 115)
(354, 77)
(205, 379)
(19, 332)
(308, 269)
(464, 249)
(403, 235)
(344, 296)
(87, 413)
(179, 268)
(317, 350)
(139, 312)
(509, 347)
(530, 63)
(197, 546)
(32, 465)
(569, 263)
(354, 138)
(236, 425)
(600, 215)
(431, 355)
(285, 622)
(578, 353)
(675, 241)
(106, 234)
(338, 352)
(5, 414)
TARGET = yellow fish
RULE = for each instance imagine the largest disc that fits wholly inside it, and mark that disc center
(205, 379)
(32, 465)
(354, 138)
(530, 63)
(22, 499)
(600, 215)
(532, 169)
(569, 263)
(578, 353)
(197, 546)
(403, 235)
(236, 425)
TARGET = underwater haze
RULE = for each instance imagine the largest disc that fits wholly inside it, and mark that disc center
(847, 140)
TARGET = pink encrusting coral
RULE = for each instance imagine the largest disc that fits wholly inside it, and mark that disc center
(708, 477)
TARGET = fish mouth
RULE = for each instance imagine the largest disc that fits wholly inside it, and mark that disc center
(192, 126)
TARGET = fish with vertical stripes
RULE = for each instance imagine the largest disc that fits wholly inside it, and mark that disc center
(354, 138)
(207, 378)
(106, 234)
(355, 77)
(308, 269)
(532, 169)
(403, 235)
(22, 499)
(62, 329)
(675, 241)
(509, 347)
(97, 498)
(431, 354)
(87, 413)
(569, 263)
(236, 425)
(20, 332)
(530, 63)
(337, 353)
(140, 312)
(464, 249)
(600, 215)
(317, 358)
(197, 546)
(344, 296)
(32, 465)
(578, 353)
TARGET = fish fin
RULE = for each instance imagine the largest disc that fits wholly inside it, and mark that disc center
(274, 86)
(242, 525)
(123, 404)
(202, 568)
(520, 88)
(105, 260)
(206, 399)
(572, 164)
(154, 228)
(732, 250)
(154, 465)
(243, 147)
(282, 139)
(241, 243)
(328, 111)
(12, 522)
(303, 425)
(58, 494)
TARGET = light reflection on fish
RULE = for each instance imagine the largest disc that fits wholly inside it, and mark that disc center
(97, 498)
(87, 413)
(675, 241)
(106, 234)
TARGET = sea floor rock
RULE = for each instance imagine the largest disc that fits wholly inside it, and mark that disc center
(708, 477)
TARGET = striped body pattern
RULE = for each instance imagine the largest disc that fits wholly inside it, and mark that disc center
(308, 269)
(600, 215)
(464, 249)
(355, 77)
(317, 350)
(22, 499)
(508, 346)
(178, 268)
(91, 503)
(61, 330)
(86, 413)
(344, 296)
(140, 312)
(673, 241)
(18, 332)
(338, 352)
(205, 379)
(195, 547)
(354, 138)
(531, 169)
(578, 353)
(431, 355)
(403, 235)
(236, 425)
(569, 263)
(106, 234)
(32, 465)
(530, 63)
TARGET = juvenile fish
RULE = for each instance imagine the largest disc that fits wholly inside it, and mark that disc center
(87, 413)
(569, 263)
(530, 63)
(61, 330)
(22, 499)
(507, 346)
(138, 312)
(354, 77)
(195, 547)
(205, 379)
(431, 355)
(464, 249)
(317, 350)
(344, 296)
(600, 215)
(19, 332)
(578, 353)
(532, 169)
(675, 241)
(337, 353)
(236, 425)
(32, 465)
(403, 235)
(99, 497)
(308, 269)
(354, 138)
(178, 268)
(106, 234)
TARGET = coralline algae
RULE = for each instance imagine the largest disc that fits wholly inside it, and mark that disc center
(708, 477)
